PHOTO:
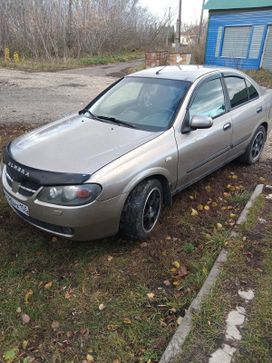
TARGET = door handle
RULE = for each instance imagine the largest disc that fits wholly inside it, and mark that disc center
(259, 109)
(227, 126)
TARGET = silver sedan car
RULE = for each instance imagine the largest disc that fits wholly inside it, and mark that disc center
(113, 166)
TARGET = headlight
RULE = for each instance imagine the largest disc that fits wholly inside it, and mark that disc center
(70, 195)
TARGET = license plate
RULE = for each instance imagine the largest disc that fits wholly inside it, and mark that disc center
(17, 205)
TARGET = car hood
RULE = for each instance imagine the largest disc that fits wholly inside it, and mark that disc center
(77, 145)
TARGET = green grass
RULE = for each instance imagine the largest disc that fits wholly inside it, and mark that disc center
(119, 274)
(249, 265)
(35, 65)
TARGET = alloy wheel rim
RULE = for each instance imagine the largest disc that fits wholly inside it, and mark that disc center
(257, 145)
(151, 210)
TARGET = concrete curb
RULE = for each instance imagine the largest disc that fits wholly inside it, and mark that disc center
(175, 345)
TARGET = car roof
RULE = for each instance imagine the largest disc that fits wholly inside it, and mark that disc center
(182, 72)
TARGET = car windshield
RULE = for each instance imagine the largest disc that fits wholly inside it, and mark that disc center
(144, 103)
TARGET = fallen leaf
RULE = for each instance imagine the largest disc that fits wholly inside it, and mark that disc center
(206, 207)
(25, 318)
(176, 264)
(48, 285)
(151, 295)
(89, 358)
(18, 310)
(25, 344)
(166, 282)
(68, 294)
(127, 321)
(219, 226)
(55, 325)
(116, 361)
(262, 179)
(200, 207)
(208, 188)
(28, 295)
(182, 271)
(214, 204)
(179, 320)
(10, 355)
(109, 258)
(194, 212)
(54, 239)
(101, 307)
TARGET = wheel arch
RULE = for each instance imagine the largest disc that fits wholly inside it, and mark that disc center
(159, 174)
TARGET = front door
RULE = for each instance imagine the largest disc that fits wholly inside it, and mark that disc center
(203, 150)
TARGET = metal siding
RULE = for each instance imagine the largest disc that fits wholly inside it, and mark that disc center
(236, 41)
(218, 42)
(256, 41)
(226, 18)
(267, 56)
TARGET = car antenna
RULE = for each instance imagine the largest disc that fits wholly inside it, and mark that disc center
(158, 71)
(178, 65)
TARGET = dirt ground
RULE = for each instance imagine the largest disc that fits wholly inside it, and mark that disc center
(44, 96)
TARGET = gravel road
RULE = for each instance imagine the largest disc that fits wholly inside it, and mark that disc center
(46, 96)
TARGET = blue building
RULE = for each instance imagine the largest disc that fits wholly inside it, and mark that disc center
(239, 33)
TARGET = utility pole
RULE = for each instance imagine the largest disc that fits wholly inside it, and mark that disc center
(178, 30)
(201, 23)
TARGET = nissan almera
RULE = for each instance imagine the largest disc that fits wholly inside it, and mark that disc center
(112, 167)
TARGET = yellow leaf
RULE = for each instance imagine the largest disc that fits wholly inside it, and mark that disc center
(219, 226)
(54, 239)
(194, 213)
(18, 310)
(173, 270)
(191, 197)
(151, 295)
(89, 358)
(232, 215)
(48, 285)
(28, 295)
(176, 264)
(179, 320)
(101, 307)
(206, 207)
(176, 283)
(200, 207)
(127, 321)
(214, 204)
(25, 344)
(109, 258)
(208, 188)
(226, 195)
(262, 179)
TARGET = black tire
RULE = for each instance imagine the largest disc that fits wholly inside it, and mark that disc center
(255, 148)
(142, 210)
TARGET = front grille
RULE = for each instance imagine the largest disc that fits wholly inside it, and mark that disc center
(26, 188)
(65, 231)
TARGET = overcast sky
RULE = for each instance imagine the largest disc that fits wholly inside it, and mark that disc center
(191, 9)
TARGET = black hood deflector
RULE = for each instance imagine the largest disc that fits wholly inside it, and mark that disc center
(22, 173)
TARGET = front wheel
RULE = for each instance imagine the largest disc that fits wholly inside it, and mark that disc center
(255, 148)
(142, 210)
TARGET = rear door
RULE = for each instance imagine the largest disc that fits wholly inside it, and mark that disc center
(246, 111)
(202, 151)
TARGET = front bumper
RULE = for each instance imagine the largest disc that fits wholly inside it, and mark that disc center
(96, 220)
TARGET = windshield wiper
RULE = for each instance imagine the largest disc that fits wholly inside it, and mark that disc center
(115, 120)
(84, 111)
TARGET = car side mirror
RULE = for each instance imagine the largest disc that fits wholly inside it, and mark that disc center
(201, 122)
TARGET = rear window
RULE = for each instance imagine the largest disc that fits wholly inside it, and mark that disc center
(237, 90)
(253, 93)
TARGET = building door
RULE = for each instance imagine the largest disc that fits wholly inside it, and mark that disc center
(267, 55)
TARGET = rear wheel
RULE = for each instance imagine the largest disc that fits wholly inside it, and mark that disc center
(255, 148)
(142, 210)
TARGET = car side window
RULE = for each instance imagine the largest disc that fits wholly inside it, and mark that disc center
(209, 100)
(253, 93)
(237, 90)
